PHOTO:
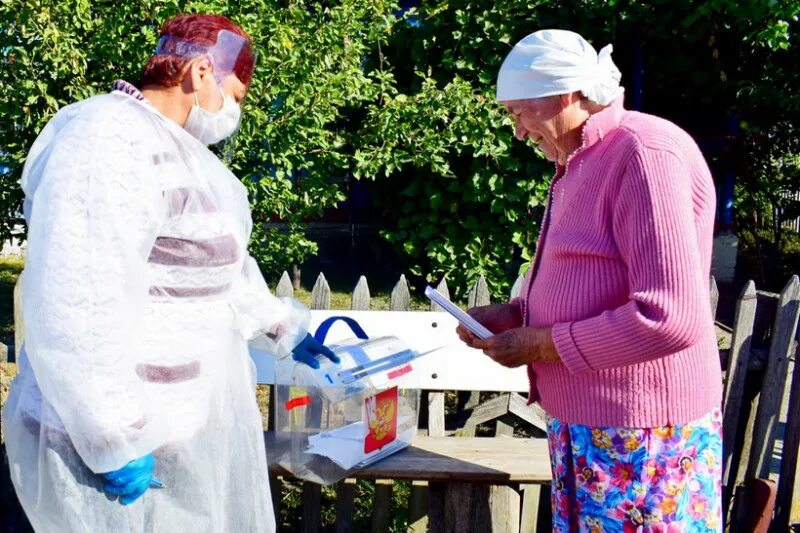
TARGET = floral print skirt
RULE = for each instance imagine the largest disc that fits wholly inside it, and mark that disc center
(664, 479)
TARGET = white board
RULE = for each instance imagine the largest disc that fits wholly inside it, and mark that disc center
(455, 367)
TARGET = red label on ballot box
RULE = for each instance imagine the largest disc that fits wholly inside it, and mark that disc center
(381, 413)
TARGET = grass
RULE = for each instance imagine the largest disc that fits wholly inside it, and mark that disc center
(380, 301)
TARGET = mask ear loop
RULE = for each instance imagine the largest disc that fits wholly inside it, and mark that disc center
(221, 92)
(216, 82)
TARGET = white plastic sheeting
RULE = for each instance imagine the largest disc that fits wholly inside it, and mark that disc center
(139, 298)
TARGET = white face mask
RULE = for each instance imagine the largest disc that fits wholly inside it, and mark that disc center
(211, 128)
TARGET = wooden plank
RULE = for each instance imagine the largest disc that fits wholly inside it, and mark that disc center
(401, 298)
(772, 392)
(321, 293)
(361, 297)
(382, 506)
(489, 410)
(467, 430)
(531, 413)
(504, 506)
(345, 498)
(479, 294)
(421, 500)
(516, 289)
(467, 400)
(468, 459)
(418, 507)
(529, 519)
(736, 376)
(467, 508)
(503, 430)
(714, 297)
(743, 457)
(296, 275)
(284, 288)
(473, 400)
(19, 320)
(787, 482)
(312, 506)
(477, 507)
(436, 414)
(442, 288)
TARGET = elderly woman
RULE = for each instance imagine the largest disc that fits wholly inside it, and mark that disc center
(139, 299)
(614, 321)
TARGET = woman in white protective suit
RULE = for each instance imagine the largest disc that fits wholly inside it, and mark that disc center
(139, 300)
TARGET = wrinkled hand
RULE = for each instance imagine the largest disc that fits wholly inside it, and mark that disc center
(520, 346)
(308, 350)
(497, 318)
(132, 480)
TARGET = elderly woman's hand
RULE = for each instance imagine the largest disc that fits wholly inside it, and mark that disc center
(497, 318)
(520, 346)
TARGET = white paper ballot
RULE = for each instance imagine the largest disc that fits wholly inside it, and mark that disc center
(467, 321)
(345, 446)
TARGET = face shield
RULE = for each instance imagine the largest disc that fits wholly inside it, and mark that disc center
(230, 54)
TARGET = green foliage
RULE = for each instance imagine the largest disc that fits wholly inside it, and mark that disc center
(295, 137)
(346, 89)
(463, 194)
(295, 146)
(290, 515)
(54, 53)
(463, 198)
(703, 62)
(768, 201)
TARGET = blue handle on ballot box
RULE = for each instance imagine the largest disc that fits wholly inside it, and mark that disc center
(322, 330)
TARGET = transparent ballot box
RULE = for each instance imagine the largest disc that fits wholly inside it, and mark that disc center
(341, 417)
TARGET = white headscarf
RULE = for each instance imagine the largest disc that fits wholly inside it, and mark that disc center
(550, 62)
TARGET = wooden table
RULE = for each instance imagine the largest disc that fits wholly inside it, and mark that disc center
(470, 479)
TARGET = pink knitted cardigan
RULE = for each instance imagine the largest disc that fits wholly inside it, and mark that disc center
(622, 276)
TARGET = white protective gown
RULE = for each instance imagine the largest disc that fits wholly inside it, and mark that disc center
(139, 299)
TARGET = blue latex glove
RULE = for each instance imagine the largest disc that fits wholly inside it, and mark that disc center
(132, 480)
(308, 350)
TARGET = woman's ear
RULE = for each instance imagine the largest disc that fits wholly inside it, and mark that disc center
(199, 70)
(565, 100)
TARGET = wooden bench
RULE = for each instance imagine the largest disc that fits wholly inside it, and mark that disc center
(473, 483)
(459, 482)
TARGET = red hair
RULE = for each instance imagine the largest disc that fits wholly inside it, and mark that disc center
(166, 70)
